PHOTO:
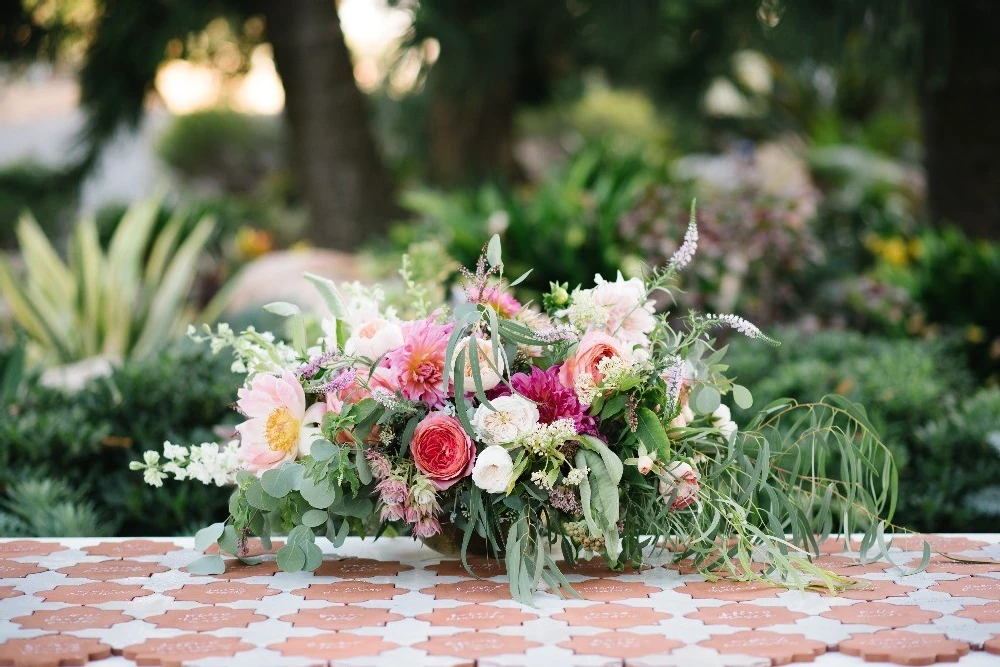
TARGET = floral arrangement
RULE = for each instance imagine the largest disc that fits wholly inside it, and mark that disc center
(587, 423)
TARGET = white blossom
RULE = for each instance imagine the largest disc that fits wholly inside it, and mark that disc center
(494, 470)
(512, 418)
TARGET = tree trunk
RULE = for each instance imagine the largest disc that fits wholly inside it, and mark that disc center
(344, 182)
(961, 108)
(472, 139)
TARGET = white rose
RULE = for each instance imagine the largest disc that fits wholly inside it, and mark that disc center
(513, 417)
(374, 339)
(487, 374)
(722, 419)
(493, 470)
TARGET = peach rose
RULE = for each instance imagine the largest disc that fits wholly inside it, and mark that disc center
(442, 450)
(593, 347)
(683, 478)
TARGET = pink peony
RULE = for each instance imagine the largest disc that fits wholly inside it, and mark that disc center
(630, 313)
(419, 364)
(276, 430)
(442, 450)
(554, 400)
(593, 347)
(683, 478)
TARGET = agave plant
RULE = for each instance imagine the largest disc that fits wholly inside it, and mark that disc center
(121, 301)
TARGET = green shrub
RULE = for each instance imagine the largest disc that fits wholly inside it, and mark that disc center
(45, 191)
(69, 453)
(919, 395)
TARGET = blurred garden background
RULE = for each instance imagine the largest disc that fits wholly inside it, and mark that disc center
(174, 161)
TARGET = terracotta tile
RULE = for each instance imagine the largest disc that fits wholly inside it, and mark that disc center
(340, 645)
(597, 567)
(94, 593)
(202, 619)
(175, 651)
(746, 615)
(945, 543)
(237, 569)
(51, 651)
(610, 616)
(871, 590)
(983, 613)
(970, 587)
(131, 548)
(12, 569)
(470, 591)
(68, 619)
(992, 645)
(110, 570)
(621, 644)
(220, 592)
(471, 645)
(253, 547)
(835, 545)
(881, 614)
(850, 567)
(611, 590)
(9, 592)
(731, 591)
(360, 568)
(349, 591)
(477, 617)
(21, 548)
(483, 567)
(939, 565)
(687, 566)
(904, 648)
(780, 648)
(341, 618)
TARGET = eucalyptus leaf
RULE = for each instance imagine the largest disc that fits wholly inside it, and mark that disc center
(207, 536)
(742, 396)
(328, 290)
(313, 518)
(206, 565)
(493, 250)
(706, 399)
(291, 558)
(320, 494)
(279, 482)
(323, 450)
(283, 309)
(259, 499)
(227, 541)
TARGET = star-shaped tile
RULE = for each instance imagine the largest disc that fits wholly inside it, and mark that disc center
(731, 591)
(110, 570)
(477, 617)
(610, 616)
(472, 645)
(881, 614)
(904, 648)
(337, 645)
(360, 568)
(51, 650)
(176, 651)
(780, 648)
(202, 619)
(470, 590)
(94, 593)
(220, 592)
(970, 587)
(349, 591)
(22, 548)
(69, 619)
(742, 615)
(131, 548)
(340, 618)
(621, 644)
(12, 569)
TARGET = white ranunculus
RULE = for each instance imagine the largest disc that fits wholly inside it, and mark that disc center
(487, 374)
(722, 419)
(493, 470)
(374, 339)
(512, 418)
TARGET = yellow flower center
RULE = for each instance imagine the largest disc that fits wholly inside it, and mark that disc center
(282, 430)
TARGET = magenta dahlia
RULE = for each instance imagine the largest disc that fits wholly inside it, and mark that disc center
(554, 400)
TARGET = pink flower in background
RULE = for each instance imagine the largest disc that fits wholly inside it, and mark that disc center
(683, 478)
(502, 302)
(630, 313)
(276, 430)
(555, 401)
(442, 450)
(419, 365)
(593, 347)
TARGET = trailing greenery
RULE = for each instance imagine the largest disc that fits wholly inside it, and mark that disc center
(920, 396)
(64, 457)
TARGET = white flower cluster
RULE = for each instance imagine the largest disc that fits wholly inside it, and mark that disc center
(618, 372)
(209, 463)
(254, 352)
(585, 313)
(545, 439)
(586, 389)
(576, 475)
(541, 479)
(620, 308)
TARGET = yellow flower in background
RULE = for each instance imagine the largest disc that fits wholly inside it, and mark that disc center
(975, 334)
(895, 251)
(252, 243)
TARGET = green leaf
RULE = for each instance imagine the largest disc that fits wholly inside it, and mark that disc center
(227, 541)
(283, 309)
(330, 295)
(493, 250)
(613, 406)
(291, 558)
(279, 482)
(313, 518)
(338, 535)
(742, 396)
(521, 278)
(652, 435)
(259, 499)
(706, 399)
(207, 536)
(320, 494)
(205, 565)
(364, 471)
(314, 558)
(323, 450)
(612, 464)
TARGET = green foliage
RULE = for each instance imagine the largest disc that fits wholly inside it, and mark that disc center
(919, 395)
(33, 187)
(52, 441)
(565, 228)
(126, 299)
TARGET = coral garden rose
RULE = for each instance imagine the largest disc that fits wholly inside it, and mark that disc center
(593, 347)
(683, 478)
(442, 450)
(374, 339)
(279, 427)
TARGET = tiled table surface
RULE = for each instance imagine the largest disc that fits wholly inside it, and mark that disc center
(394, 602)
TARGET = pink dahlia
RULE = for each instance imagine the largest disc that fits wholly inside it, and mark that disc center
(419, 364)
(502, 302)
(554, 400)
